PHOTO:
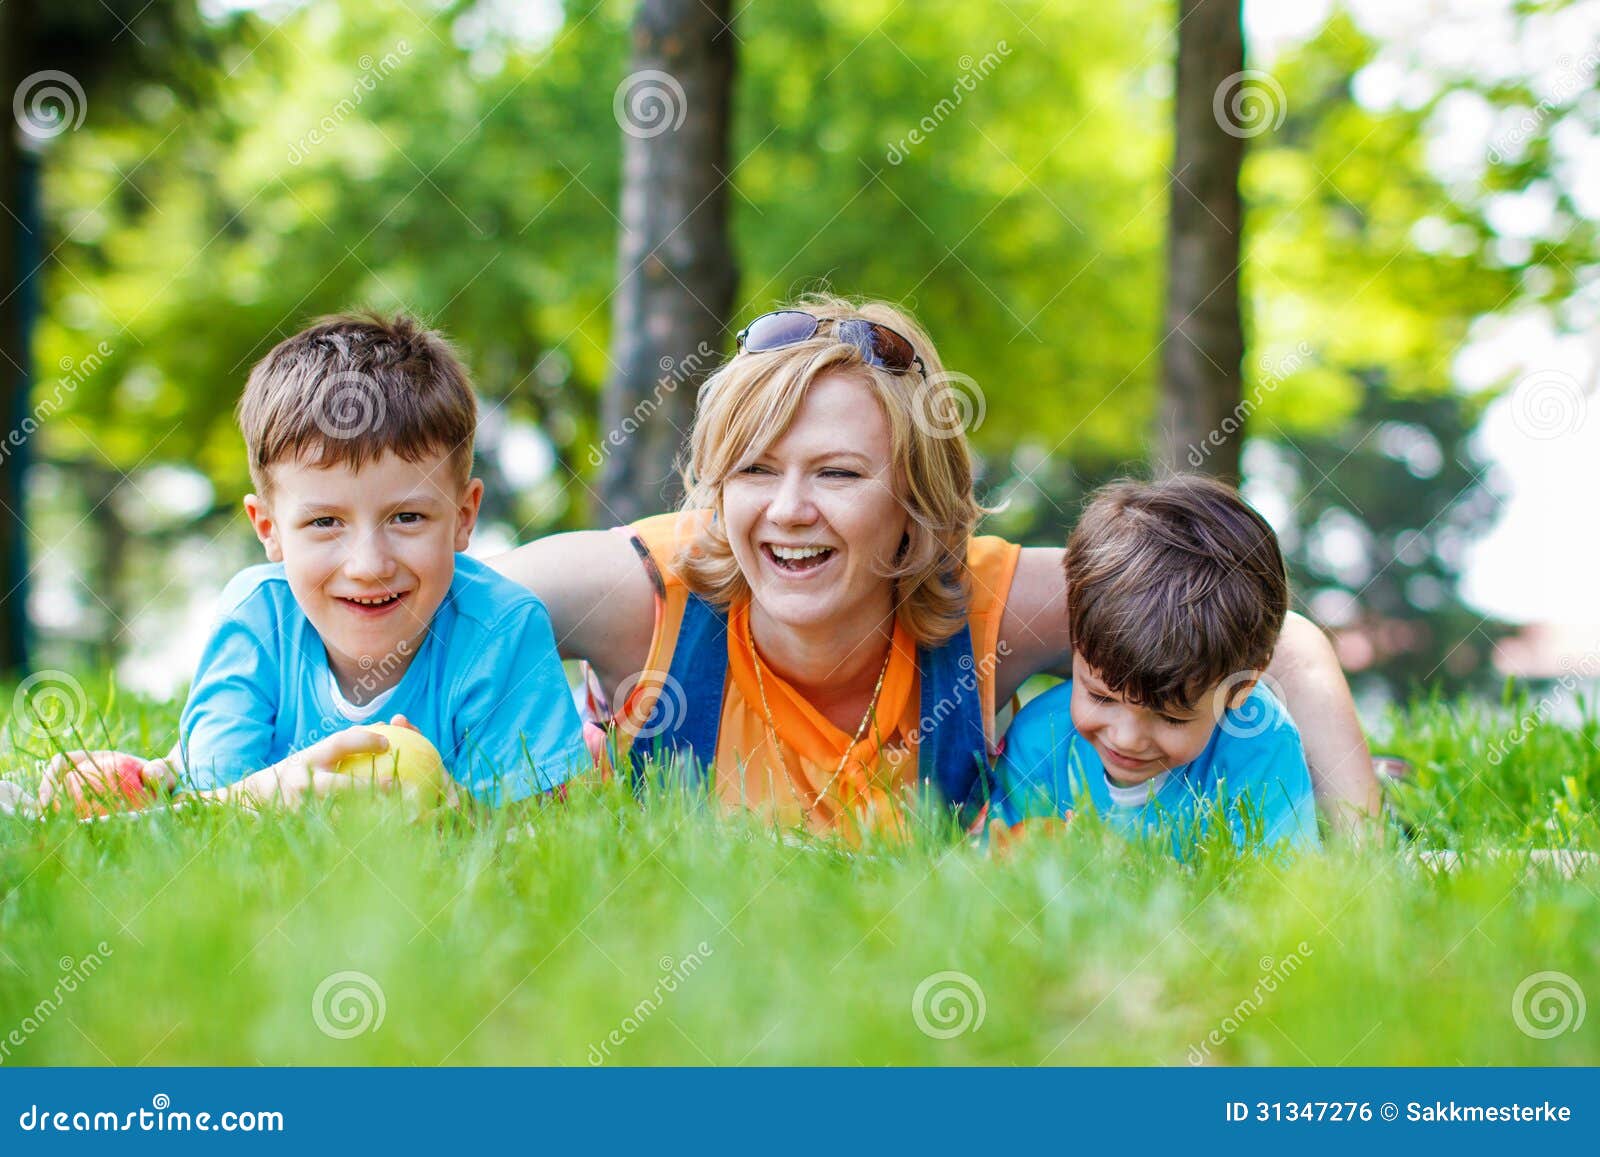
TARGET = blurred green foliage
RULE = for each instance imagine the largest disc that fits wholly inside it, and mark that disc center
(464, 164)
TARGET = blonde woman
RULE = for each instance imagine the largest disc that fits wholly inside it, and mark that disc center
(819, 624)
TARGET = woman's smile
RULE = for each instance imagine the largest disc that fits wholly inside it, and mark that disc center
(797, 561)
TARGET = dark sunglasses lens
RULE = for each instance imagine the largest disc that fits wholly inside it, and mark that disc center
(773, 331)
(896, 351)
(883, 346)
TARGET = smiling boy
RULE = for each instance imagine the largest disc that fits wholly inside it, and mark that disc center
(360, 433)
(1177, 592)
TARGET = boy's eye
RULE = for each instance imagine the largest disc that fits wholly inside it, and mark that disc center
(408, 517)
(326, 522)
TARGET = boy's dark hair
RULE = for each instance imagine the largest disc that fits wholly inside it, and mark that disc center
(353, 386)
(1173, 586)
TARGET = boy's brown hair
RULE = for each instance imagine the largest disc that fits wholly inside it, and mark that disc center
(1173, 586)
(352, 386)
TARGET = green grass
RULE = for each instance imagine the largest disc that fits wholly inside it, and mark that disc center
(533, 934)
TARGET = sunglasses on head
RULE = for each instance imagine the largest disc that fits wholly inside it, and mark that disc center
(879, 345)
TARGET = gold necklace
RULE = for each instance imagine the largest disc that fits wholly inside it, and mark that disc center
(772, 728)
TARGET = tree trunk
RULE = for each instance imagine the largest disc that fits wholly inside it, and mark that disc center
(1203, 346)
(19, 225)
(676, 275)
(108, 567)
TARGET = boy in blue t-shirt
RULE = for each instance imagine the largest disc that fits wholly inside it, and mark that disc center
(360, 433)
(1176, 594)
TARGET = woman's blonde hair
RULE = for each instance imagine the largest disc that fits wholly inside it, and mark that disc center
(750, 402)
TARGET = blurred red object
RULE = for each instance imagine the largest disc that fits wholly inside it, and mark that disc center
(1391, 767)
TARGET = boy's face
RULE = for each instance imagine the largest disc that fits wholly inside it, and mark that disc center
(1137, 743)
(369, 555)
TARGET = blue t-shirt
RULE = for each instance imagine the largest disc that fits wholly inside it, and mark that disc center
(1253, 766)
(485, 686)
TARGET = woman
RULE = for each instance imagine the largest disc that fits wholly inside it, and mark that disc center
(818, 622)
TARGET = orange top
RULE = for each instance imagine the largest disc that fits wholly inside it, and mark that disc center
(796, 784)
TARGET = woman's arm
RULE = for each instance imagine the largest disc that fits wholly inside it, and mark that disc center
(1319, 699)
(597, 593)
(1033, 629)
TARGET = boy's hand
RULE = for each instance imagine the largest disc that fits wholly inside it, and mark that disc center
(1004, 838)
(311, 772)
(451, 797)
(92, 779)
(13, 800)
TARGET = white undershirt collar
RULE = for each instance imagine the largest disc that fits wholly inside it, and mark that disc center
(1135, 794)
(349, 710)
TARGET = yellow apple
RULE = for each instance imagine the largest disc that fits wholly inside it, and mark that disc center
(411, 759)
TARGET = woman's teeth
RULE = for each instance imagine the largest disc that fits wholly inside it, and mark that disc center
(799, 557)
(795, 553)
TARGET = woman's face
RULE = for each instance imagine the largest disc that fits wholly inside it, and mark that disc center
(814, 521)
